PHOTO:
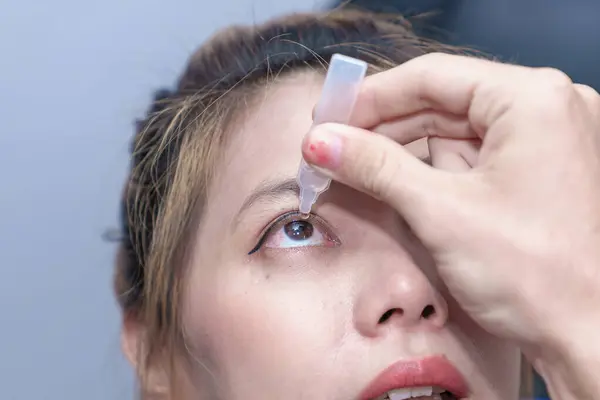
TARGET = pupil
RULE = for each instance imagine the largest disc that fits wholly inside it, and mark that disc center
(298, 230)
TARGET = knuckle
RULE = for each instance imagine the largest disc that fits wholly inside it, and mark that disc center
(554, 78)
(425, 62)
(379, 176)
(586, 90)
(432, 126)
(434, 57)
(549, 91)
(589, 95)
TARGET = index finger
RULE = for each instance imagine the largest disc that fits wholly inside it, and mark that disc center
(434, 81)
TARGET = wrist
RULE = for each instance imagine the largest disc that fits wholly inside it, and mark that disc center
(569, 362)
(567, 352)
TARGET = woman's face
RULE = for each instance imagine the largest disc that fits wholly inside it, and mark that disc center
(321, 307)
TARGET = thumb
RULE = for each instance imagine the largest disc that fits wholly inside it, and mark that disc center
(382, 168)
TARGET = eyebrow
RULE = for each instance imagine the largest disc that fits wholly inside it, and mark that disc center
(270, 190)
(275, 189)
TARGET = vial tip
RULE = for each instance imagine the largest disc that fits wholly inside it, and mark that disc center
(304, 215)
(305, 203)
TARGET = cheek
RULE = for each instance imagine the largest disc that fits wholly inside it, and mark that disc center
(251, 325)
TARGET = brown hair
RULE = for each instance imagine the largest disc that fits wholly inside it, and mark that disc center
(179, 142)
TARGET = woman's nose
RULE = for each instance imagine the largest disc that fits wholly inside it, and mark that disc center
(398, 296)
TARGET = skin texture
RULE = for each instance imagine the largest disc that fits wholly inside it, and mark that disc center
(303, 322)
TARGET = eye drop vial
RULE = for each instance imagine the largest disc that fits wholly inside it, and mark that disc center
(339, 94)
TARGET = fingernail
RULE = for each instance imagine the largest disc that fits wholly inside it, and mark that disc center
(322, 147)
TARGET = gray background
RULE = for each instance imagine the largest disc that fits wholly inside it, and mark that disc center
(73, 76)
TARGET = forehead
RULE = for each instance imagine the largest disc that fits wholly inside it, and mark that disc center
(274, 126)
(266, 144)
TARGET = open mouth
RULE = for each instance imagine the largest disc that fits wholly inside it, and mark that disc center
(418, 393)
(432, 378)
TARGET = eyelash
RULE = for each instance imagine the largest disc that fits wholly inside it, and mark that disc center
(281, 221)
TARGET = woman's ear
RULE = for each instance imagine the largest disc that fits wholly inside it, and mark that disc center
(153, 378)
(131, 338)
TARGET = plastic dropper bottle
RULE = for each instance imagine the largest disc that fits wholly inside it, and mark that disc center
(339, 94)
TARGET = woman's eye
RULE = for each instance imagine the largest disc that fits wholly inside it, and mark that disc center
(290, 230)
(298, 233)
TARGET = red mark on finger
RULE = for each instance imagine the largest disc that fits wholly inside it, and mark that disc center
(323, 153)
(320, 150)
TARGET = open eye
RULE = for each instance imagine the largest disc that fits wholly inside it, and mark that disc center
(291, 230)
(296, 233)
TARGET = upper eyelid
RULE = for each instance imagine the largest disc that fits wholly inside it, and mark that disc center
(264, 233)
(277, 221)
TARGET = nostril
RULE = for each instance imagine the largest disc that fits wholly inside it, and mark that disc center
(428, 312)
(387, 315)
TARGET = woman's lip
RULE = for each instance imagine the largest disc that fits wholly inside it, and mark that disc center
(432, 371)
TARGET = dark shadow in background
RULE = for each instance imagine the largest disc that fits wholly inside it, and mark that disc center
(558, 33)
(550, 33)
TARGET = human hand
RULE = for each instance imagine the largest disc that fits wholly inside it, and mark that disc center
(514, 226)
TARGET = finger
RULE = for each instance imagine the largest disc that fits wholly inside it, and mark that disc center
(419, 149)
(433, 81)
(590, 97)
(453, 155)
(378, 166)
(587, 92)
(426, 124)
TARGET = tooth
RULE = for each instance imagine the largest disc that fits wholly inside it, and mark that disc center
(421, 391)
(400, 394)
(436, 396)
(438, 390)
